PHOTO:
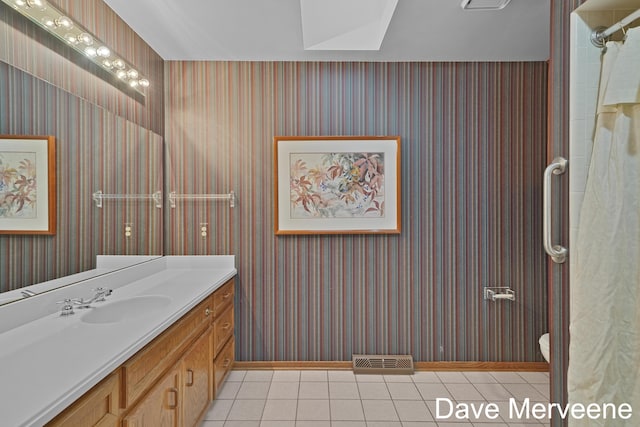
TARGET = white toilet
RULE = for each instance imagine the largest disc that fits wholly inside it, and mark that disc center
(544, 346)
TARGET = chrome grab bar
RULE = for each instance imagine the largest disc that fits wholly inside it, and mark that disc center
(557, 253)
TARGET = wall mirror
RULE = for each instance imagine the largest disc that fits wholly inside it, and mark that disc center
(96, 150)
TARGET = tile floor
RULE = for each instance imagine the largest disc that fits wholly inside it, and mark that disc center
(342, 399)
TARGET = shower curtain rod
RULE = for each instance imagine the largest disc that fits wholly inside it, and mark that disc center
(600, 34)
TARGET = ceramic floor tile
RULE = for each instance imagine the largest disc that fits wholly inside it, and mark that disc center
(259, 376)
(379, 410)
(512, 417)
(313, 423)
(384, 424)
(369, 378)
(343, 390)
(543, 389)
(279, 423)
(283, 390)
(253, 390)
(286, 376)
(412, 410)
(374, 391)
(508, 377)
(314, 376)
(229, 390)
(301, 398)
(425, 377)
(419, 424)
(313, 410)
(493, 392)
(313, 390)
(535, 377)
(433, 391)
(452, 377)
(242, 424)
(281, 409)
(479, 377)
(397, 378)
(523, 391)
(246, 410)
(348, 424)
(219, 410)
(464, 392)
(236, 376)
(346, 410)
(403, 391)
(342, 376)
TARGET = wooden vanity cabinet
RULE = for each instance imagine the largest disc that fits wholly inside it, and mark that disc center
(160, 406)
(99, 407)
(172, 380)
(195, 381)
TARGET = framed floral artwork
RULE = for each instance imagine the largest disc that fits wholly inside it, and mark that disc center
(27, 184)
(337, 185)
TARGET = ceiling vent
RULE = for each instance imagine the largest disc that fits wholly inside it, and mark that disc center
(484, 4)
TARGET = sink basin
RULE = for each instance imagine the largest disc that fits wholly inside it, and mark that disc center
(127, 309)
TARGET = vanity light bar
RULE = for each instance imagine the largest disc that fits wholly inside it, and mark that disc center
(76, 36)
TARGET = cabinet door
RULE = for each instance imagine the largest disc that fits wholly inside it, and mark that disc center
(159, 407)
(97, 408)
(195, 381)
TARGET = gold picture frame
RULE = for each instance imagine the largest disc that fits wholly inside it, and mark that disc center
(27, 184)
(337, 185)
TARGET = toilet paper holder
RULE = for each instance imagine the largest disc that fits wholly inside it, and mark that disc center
(499, 293)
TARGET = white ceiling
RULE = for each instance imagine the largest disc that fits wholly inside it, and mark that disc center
(271, 30)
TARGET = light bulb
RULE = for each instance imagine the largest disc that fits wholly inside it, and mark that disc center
(64, 22)
(132, 74)
(119, 64)
(20, 3)
(47, 21)
(107, 64)
(144, 82)
(133, 83)
(121, 74)
(85, 38)
(71, 39)
(34, 3)
(103, 52)
(90, 52)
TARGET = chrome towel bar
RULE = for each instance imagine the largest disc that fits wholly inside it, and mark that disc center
(557, 253)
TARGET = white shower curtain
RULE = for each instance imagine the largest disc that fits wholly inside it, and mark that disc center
(604, 353)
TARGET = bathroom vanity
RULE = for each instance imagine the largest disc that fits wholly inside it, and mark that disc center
(154, 353)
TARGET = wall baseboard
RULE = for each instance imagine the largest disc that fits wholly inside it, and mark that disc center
(419, 366)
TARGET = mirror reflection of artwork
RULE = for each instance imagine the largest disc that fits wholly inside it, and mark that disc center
(27, 184)
(337, 185)
(18, 190)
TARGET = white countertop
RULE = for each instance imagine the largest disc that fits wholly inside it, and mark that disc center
(50, 361)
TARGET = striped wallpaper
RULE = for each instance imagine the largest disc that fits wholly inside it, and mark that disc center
(473, 151)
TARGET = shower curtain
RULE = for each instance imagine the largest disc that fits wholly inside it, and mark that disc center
(604, 352)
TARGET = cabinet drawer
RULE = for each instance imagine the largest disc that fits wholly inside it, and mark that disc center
(223, 364)
(143, 369)
(222, 329)
(222, 297)
(100, 406)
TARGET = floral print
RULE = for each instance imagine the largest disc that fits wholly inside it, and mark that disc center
(17, 185)
(337, 185)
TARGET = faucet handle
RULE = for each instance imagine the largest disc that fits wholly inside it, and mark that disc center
(67, 308)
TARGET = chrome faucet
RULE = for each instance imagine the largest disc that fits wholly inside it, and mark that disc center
(68, 304)
(100, 295)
